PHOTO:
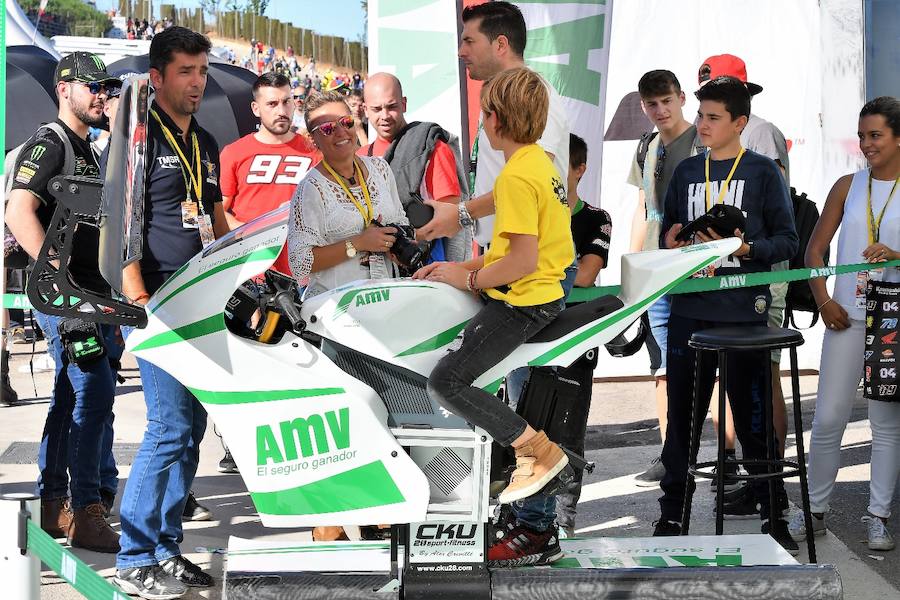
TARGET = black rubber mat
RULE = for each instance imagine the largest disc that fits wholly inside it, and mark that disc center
(26, 453)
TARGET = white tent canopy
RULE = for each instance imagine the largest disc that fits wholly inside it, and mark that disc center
(20, 31)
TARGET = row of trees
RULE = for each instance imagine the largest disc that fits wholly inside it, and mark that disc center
(79, 17)
(246, 19)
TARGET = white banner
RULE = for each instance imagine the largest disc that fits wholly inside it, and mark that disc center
(812, 78)
(569, 45)
(417, 42)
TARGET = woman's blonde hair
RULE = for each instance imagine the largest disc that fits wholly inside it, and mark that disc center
(520, 99)
(317, 100)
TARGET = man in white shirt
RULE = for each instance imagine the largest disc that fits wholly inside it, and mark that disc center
(493, 40)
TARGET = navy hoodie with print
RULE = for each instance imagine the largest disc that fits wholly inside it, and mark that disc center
(758, 189)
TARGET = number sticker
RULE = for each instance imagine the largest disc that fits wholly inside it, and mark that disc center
(265, 169)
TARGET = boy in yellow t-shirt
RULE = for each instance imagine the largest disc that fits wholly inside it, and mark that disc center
(519, 277)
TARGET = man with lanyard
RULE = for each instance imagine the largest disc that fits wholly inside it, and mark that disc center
(752, 183)
(766, 139)
(182, 214)
(493, 40)
(411, 150)
(81, 406)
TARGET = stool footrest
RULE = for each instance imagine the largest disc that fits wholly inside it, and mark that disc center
(790, 468)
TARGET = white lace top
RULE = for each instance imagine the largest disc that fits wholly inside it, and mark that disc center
(321, 214)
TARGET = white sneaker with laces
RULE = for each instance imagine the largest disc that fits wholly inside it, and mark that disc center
(797, 526)
(879, 536)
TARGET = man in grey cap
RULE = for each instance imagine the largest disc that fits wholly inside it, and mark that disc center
(71, 444)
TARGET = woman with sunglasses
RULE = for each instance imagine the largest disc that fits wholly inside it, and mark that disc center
(335, 234)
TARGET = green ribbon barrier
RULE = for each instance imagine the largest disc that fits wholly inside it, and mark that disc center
(86, 581)
(16, 301)
(701, 284)
(730, 282)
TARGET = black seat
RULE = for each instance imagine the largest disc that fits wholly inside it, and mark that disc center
(760, 337)
(572, 318)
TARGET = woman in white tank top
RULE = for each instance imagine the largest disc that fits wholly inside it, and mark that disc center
(848, 207)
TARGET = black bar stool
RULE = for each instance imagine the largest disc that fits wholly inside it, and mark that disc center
(760, 338)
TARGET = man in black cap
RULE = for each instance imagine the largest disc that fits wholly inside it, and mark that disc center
(71, 444)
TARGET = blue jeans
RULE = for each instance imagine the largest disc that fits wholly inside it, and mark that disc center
(78, 420)
(658, 320)
(109, 473)
(163, 471)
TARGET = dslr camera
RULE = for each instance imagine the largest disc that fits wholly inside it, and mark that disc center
(410, 254)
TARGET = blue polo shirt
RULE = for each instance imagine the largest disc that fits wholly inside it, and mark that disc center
(168, 245)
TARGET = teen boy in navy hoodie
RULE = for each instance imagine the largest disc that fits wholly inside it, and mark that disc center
(753, 183)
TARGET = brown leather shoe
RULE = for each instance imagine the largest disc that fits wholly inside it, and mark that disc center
(329, 533)
(90, 530)
(56, 516)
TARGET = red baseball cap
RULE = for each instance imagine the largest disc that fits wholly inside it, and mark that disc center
(726, 64)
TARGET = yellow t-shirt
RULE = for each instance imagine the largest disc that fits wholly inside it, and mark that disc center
(530, 199)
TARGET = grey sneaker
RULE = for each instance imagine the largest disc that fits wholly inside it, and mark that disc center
(879, 536)
(652, 476)
(149, 582)
(797, 526)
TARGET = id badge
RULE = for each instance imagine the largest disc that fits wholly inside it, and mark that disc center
(189, 215)
(207, 235)
(862, 281)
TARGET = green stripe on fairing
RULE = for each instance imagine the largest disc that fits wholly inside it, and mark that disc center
(344, 303)
(190, 331)
(615, 318)
(313, 547)
(438, 341)
(368, 486)
(174, 276)
(208, 397)
(260, 254)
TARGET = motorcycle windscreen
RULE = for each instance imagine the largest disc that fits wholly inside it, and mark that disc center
(122, 205)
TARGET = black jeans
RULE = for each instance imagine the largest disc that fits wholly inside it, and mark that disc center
(492, 335)
(746, 383)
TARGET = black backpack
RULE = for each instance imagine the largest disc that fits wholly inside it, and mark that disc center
(799, 294)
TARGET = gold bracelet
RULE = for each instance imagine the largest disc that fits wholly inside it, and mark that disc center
(819, 308)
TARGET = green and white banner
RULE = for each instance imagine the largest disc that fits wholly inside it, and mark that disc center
(568, 43)
(416, 40)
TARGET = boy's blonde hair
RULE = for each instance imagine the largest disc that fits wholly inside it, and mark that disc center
(520, 99)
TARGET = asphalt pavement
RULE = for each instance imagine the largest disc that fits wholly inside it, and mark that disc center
(622, 439)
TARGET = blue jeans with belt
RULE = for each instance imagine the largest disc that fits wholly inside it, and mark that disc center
(78, 423)
(163, 470)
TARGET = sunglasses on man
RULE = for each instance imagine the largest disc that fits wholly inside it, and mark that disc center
(95, 87)
(329, 127)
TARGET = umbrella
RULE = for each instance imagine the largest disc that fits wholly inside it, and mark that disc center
(225, 107)
(237, 83)
(30, 93)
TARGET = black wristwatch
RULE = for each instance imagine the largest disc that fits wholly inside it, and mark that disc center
(751, 254)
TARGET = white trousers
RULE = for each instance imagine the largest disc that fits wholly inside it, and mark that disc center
(839, 372)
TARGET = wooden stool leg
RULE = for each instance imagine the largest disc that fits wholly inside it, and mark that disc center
(690, 484)
(801, 457)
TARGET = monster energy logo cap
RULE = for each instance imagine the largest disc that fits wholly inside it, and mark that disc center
(84, 67)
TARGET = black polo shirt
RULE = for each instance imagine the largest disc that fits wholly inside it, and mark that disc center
(168, 245)
(41, 159)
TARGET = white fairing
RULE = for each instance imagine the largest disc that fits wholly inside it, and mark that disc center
(311, 442)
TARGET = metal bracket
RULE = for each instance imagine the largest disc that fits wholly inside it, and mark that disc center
(51, 289)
